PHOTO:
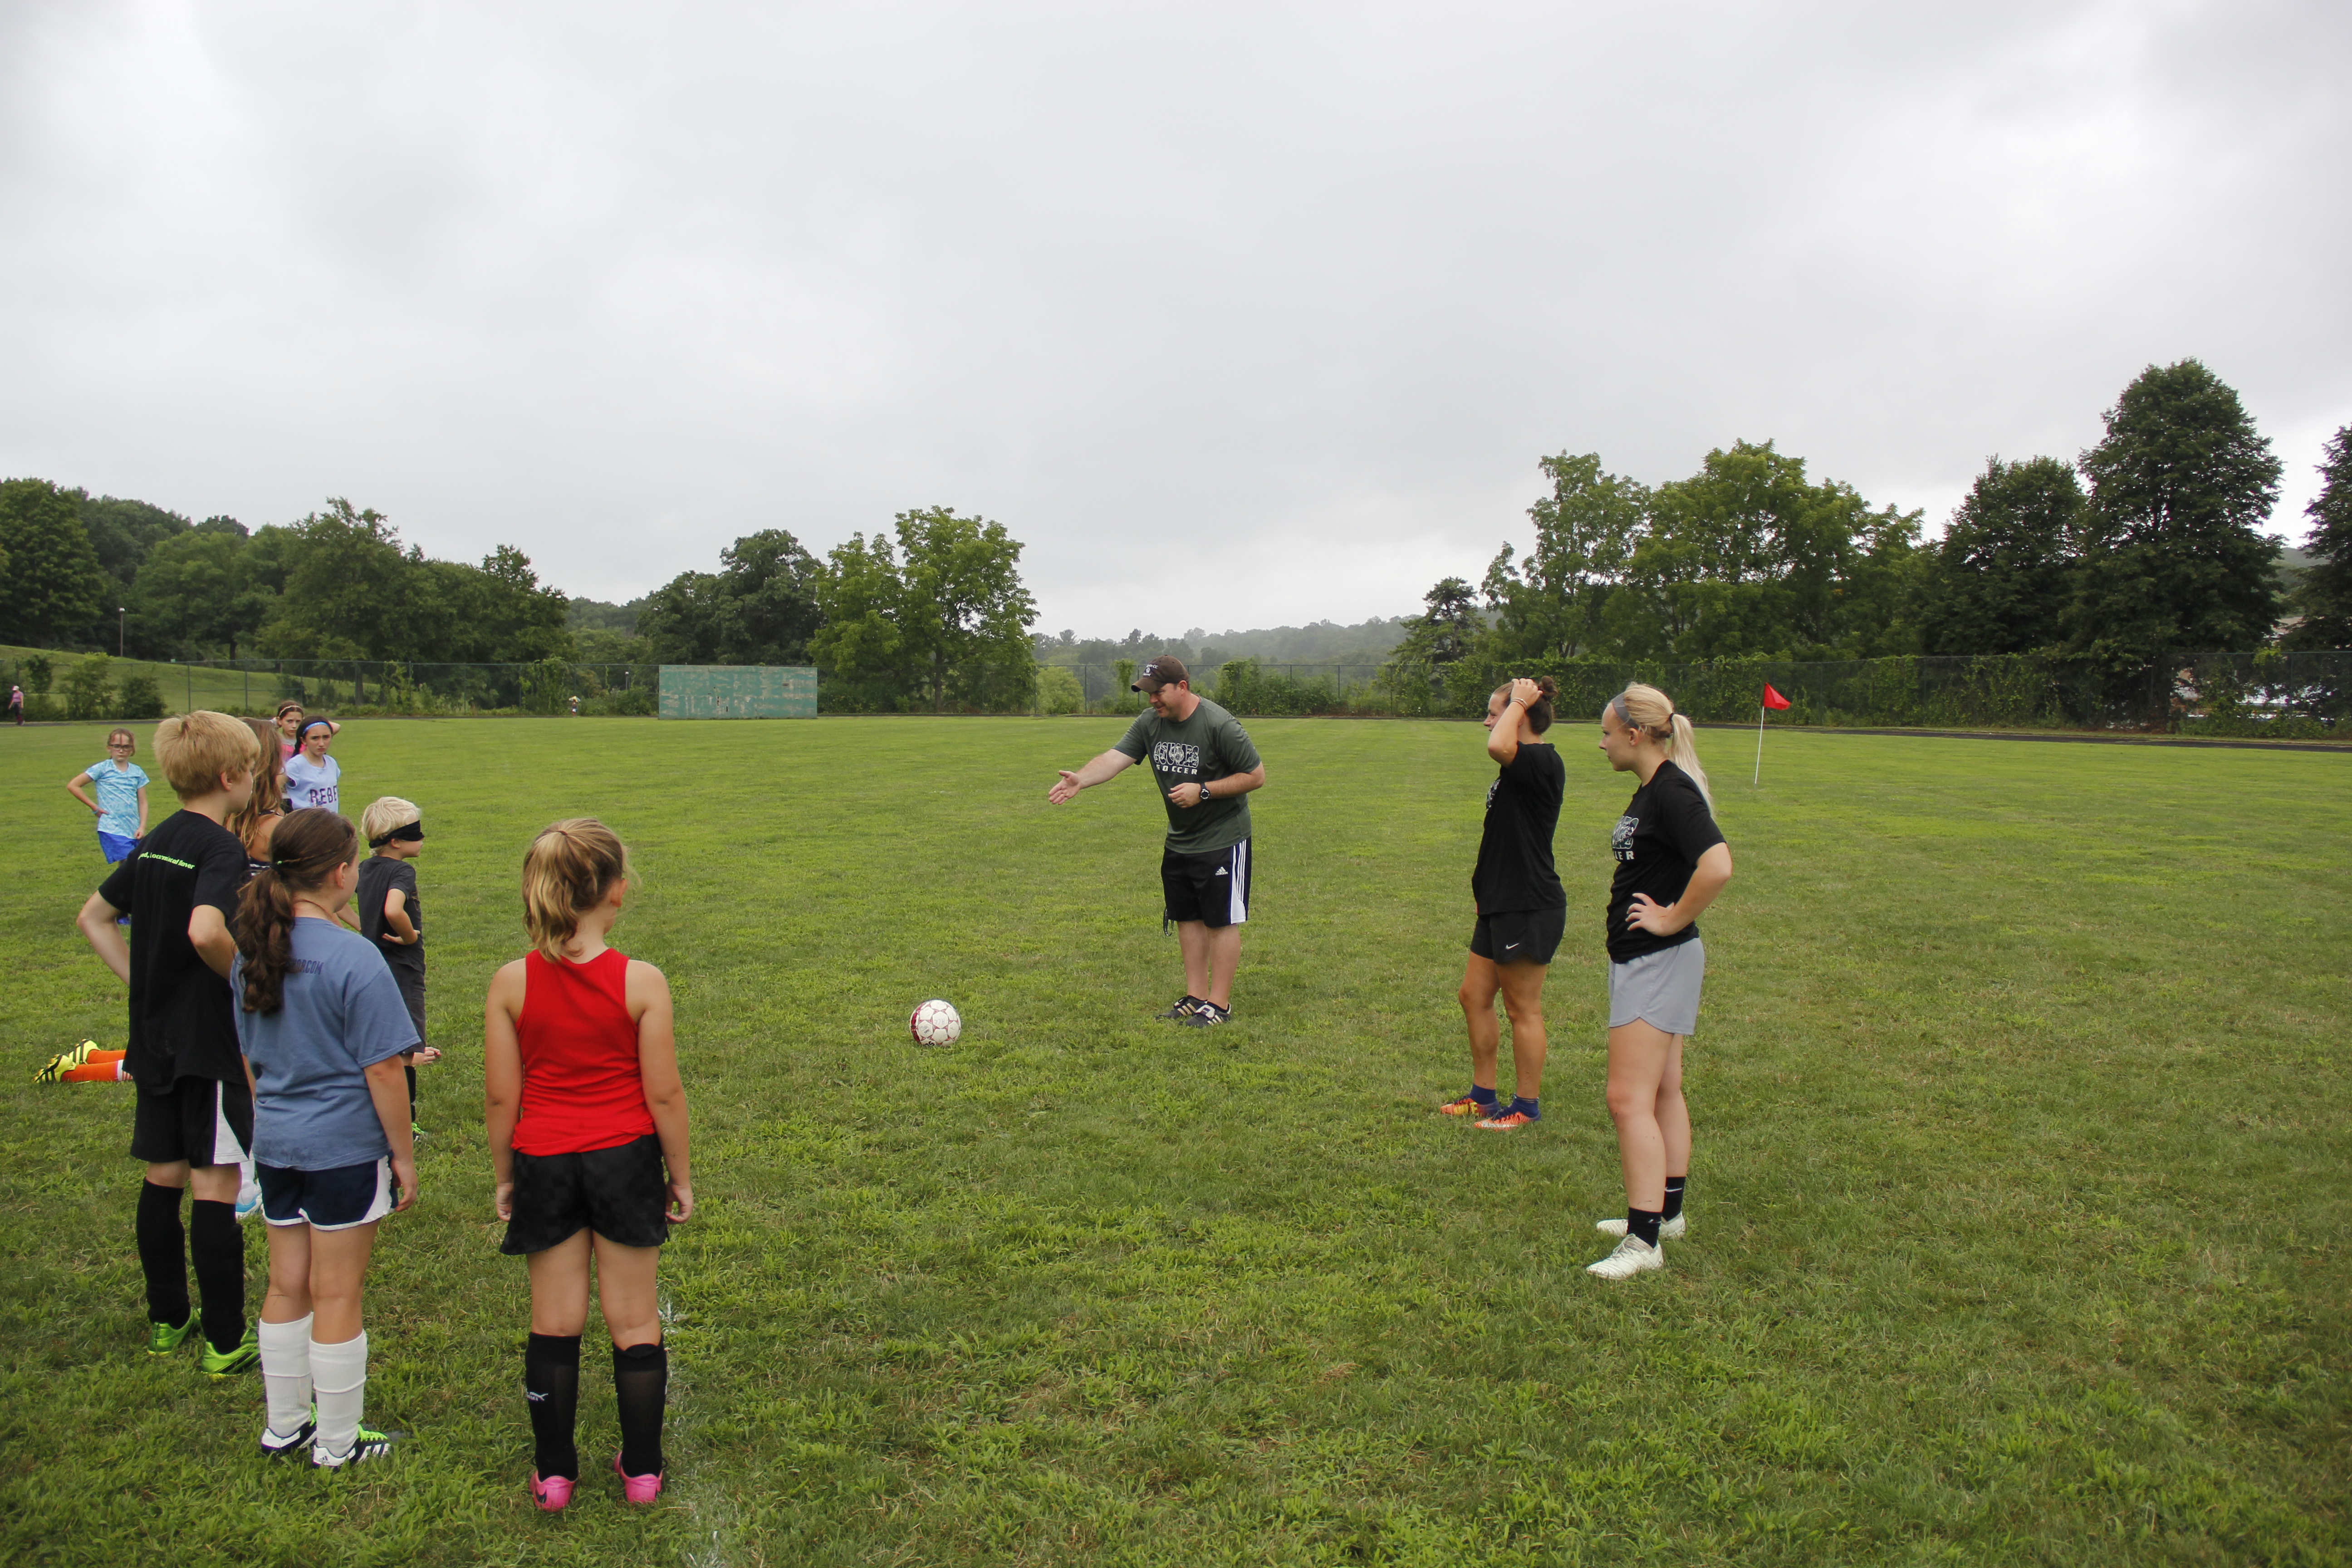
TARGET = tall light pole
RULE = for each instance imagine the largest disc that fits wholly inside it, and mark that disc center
(121, 627)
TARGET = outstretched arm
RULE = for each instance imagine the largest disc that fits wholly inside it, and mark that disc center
(1109, 765)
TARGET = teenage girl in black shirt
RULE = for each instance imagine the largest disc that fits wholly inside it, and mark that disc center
(1671, 863)
(1520, 906)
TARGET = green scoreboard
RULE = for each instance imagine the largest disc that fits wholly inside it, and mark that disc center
(738, 691)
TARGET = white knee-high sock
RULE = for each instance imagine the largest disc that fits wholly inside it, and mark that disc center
(338, 1382)
(286, 1374)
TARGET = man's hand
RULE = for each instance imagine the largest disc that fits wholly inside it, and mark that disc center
(1067, 789)
(1189, 794)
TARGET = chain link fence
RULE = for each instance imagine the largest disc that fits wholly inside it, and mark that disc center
(2287, 696)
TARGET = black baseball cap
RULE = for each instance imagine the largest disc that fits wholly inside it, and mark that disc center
(1165, 670)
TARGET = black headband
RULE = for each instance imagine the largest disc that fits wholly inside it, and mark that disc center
(413, 833)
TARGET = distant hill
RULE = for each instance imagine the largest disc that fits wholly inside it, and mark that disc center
(1322, 642)
(599, 616)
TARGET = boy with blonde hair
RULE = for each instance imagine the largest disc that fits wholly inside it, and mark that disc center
(194, 1121)
(391, 917)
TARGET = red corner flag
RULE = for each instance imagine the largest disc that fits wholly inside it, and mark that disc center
(1773, 699)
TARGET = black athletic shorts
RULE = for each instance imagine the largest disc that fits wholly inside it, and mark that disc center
(618, 1192)
(1213, 889)
(1519, 935)
(202, 1121)
(412, 992)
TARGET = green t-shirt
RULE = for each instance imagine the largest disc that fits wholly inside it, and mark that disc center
(1208, 746)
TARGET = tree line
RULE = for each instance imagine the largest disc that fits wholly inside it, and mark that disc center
(932, 613)
(2149, 542)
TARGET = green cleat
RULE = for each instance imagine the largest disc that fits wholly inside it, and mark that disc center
(162, 1339)
(228, 1363)
(368, 1448)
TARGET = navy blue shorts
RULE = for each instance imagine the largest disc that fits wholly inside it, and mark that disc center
(339, 1199)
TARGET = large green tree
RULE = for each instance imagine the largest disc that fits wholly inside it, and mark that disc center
(2003, 576)
(345, 592)
(1747, 556)
(123, 534)
(2174, 556)
(943, 614)
(2325, 594)
(1445, 630)
(1552, 603)
(55, 586)
(758, 607)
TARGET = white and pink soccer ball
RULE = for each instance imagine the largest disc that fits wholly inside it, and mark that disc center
(936, 1023)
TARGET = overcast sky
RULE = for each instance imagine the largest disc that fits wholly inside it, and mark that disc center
(1236, 314)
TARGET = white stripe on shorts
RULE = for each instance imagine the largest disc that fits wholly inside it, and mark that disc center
(227, 1150)
(1238, 913)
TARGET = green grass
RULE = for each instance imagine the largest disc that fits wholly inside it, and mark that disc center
(2019, 1212)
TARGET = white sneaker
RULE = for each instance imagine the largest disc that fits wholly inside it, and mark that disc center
(248, 1200)
(1668, 1230)
(1634, 1255)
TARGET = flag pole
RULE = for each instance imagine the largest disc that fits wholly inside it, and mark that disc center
(1759, 780)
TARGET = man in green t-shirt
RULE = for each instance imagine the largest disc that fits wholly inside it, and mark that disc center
(1206, 768)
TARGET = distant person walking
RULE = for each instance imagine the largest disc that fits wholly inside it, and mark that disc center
(1206, 768)
(1520, 906)
(1671, 861)
(16, 705)
(121, 803)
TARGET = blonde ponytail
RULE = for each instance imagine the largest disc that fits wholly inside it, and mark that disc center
(1649, 712)
(570, 866)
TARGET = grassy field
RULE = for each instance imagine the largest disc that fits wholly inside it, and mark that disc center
(2019, 1216)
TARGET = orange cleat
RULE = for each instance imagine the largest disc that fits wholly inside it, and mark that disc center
(1510, 1121)
(1466, 1105)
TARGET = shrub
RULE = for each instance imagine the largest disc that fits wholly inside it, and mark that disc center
(89, 691)
(38, 672)
(1058, 690)
(139, 698)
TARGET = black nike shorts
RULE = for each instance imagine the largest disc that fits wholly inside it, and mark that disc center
(618, 1192)
(1519, 935)
(203, 1121)
(1213, 889)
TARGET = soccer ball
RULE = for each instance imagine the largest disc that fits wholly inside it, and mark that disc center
(936, 1023)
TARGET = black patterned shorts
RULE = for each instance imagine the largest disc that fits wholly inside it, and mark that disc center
(617, 1193)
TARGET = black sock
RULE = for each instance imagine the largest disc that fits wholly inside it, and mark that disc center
(412, 1096)
(218, 1249)
(641, 1386)
(1645, 1223)
(1673, 1197)
(550, 1383)
(162, 1254)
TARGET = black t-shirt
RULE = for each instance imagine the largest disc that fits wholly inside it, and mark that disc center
(379, 875)
(183, 1015)
(1515, 871)
(1665, 829)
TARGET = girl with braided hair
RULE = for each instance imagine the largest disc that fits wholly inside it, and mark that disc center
(323, 1029)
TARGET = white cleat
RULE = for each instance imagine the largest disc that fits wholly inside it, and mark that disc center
(1669, 1230)
(1634, 1255)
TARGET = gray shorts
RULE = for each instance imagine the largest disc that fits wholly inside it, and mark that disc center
(1659, 988)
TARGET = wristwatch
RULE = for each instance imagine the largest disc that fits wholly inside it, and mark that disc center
(1203, 787)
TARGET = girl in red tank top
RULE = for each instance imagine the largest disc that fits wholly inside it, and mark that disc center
(587, 1128)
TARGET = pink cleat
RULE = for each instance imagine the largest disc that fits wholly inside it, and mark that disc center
(551, 1494)
(637, 1489)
